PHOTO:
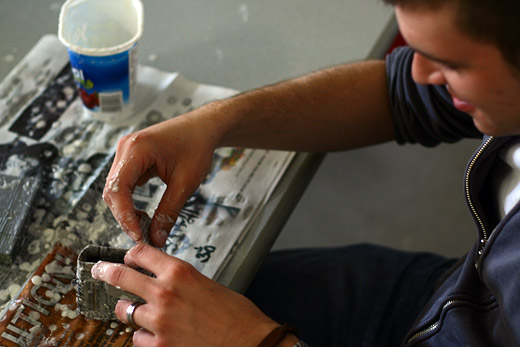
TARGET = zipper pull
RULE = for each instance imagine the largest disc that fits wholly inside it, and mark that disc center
(483, 243)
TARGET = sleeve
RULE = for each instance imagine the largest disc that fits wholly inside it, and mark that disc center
(423, 113)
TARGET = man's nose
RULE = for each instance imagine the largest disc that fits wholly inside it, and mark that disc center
(425, 71)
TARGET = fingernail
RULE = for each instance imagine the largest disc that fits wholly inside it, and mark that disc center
(133, 235)
(98, 270)
(162, 236)
(164, 219)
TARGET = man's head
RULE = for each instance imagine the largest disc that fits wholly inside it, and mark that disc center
(489, 21)
(481, 78)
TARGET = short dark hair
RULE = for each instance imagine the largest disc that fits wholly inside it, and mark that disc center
(491, 21)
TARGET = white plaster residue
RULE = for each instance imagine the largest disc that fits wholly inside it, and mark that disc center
(14, 305)
(53, 295)
(34, 247)
(35, 329)
(48, 234)
(41, 124)
(38, 215)
(244, 13)
(4, 294)
(220, 55)
(109, 332)
(84, 168)
(66, 311)
(11, 185)
(34, 315)
(72, 314)
(61, 103)
(36, 280)
(122, 241)
(25, 266)
(74, 148)
(113, 184)
(10, 292)
(53, 327)
(15, 165)
(69, 92)
(55, 6)
(54, 267)
(8, 58)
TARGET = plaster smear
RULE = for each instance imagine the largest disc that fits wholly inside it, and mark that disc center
(113, 183)
(244, 12)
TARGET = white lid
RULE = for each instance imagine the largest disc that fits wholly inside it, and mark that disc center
(100, 27)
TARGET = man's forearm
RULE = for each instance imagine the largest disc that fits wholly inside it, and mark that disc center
(334, 109)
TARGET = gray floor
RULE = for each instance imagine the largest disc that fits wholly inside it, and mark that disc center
(406, 197)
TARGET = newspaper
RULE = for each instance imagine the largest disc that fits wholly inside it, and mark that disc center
(46, 136)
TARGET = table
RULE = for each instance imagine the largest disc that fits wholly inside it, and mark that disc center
(238, 45)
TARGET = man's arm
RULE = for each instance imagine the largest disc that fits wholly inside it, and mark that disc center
(335, 109)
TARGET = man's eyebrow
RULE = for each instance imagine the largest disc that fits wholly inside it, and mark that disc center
(437, 59)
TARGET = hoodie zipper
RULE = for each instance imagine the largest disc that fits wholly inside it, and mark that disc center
(447, 306)
(469, 199)
(483, 241)
(433, 326)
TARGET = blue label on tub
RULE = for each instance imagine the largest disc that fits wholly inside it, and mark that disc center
(103, 82)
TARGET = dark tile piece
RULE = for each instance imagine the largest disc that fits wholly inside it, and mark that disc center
(16, 198)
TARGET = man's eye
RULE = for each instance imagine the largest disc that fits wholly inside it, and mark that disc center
(450, 67)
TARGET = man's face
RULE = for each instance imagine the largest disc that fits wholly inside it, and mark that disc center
(477, 76)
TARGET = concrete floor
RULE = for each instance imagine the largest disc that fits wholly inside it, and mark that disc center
(406, 197)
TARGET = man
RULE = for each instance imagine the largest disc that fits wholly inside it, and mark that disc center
(459, 79)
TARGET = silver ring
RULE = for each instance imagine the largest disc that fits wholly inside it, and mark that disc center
(130, 312)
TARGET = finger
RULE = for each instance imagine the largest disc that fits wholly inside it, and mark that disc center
(161, 227)
(119, 200)
(150, 173)
(125, 172)
(168, 210)
(144, 225)
(143, 338)
(141, 315)
(124, 277)
(150, 259)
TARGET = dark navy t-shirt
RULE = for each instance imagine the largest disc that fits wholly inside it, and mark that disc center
(423, 113)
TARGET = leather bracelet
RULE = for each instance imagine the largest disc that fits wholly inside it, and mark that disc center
(277, 335)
